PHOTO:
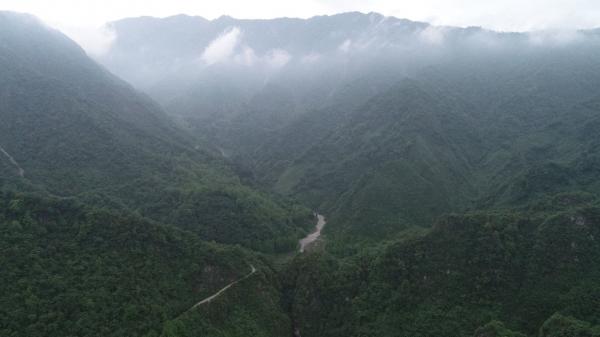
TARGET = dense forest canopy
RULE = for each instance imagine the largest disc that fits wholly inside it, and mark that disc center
(458, 169)
(78, 131)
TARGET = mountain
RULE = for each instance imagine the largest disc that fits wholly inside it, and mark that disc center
(478, 274)
(380, 122)
(457, 169)
(429, 146)
(107, 209)
(73, 270)
(74, 130)
(266, 44)
(477, 132)
(404, 158)
(222, 76)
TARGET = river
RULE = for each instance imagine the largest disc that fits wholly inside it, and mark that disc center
(312, 237)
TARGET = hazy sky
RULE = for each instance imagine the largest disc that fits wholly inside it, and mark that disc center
(496, 14)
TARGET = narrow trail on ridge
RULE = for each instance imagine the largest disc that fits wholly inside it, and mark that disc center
(12, 160)
(220, 292)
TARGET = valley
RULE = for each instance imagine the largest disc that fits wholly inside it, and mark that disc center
(458, 168)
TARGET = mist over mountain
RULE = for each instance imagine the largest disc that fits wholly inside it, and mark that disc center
(77, 131)
(163, 187)
(336, 110)
(313, 59)
(114, 221)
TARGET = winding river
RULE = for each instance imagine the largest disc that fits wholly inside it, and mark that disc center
(312, 237)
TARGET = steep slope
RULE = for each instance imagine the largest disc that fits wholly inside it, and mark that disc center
(480, 131)
(392, 163)
(468, 270)
(76, 130)
(382, 122)
(156, 43)
(498, 128)
(269, 71)
(72, 270)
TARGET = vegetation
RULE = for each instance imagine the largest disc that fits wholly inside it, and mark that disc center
(250, 308)
(518, 268)
(78, 131)
(72, 270)
(463, 199)
(496, 329)
(558, 326)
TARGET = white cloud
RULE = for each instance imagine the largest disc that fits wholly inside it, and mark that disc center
(228, 48)
(345, 46)
(507, 15)
(555, 37)
(277, 58)
(246, 57)
(311, 58)
(432, 35)
(494, 14)
(96, 41)
(223, 47)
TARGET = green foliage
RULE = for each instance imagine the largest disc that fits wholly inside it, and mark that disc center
(70, 270)
(466, 271)
(501, 157)
(78, 131)
(564, 326)
(496, 329)
(250, 308)
(473, 132)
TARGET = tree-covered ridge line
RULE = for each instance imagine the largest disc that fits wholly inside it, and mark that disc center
(519, 268)
(81, 132)
(462, 192)
(430, 145)
(70, 269)
(390, 130)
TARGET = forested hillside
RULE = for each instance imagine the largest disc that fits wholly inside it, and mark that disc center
(468, 272)
(382, 123)
(458, 170)
(76, 130)
(73, 270)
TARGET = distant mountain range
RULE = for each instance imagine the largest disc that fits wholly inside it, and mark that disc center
(458, 168)
(379, 120)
